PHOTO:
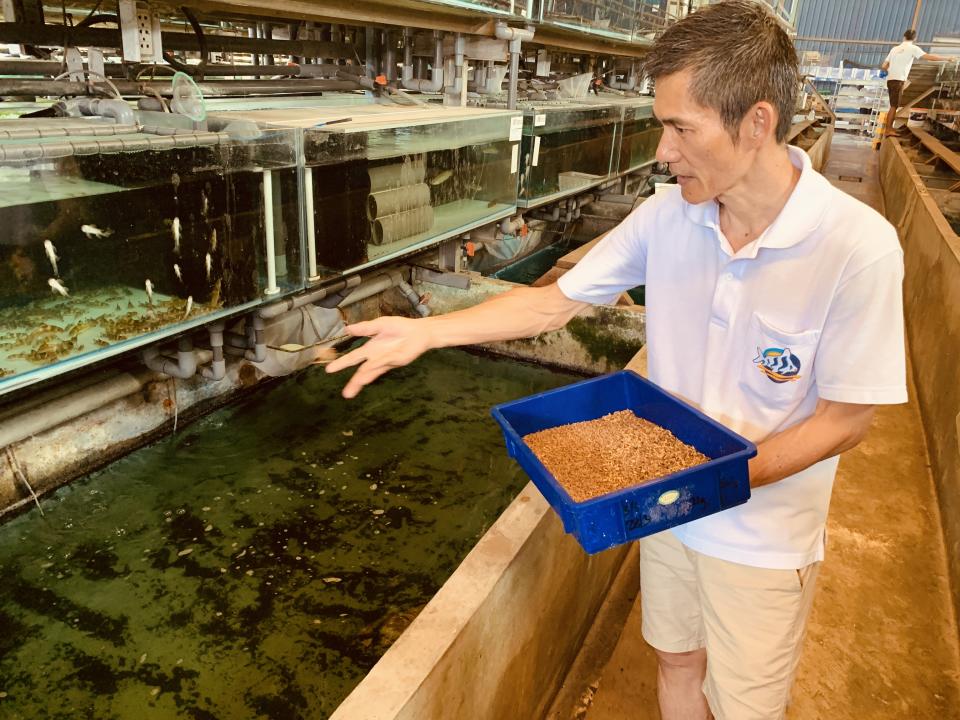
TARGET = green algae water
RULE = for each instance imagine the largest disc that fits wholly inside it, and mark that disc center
(259, 562)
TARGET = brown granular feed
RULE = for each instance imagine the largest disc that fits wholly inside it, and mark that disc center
(616, 451)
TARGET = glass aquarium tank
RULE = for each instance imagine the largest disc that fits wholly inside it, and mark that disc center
(610, 18)
(639, 135)
(567, 148)
(121, 234)
(383, 181)
(513, 8)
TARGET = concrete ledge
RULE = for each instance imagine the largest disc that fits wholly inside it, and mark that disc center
(498, 639)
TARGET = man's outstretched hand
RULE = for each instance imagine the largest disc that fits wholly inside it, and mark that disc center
(394, 342)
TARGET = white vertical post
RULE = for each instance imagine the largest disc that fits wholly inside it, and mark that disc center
(271, 288)
(311, 234)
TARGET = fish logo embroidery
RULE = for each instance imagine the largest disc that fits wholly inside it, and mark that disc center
(778, 364)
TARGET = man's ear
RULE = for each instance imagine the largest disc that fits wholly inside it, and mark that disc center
(759, 124)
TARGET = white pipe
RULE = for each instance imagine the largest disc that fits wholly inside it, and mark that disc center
(185, 366)
(502, 31)
(435, 83)
(68, 407)
(272, 288)
(218, 366)
(312, 275)
(509, 226)
(373, 286)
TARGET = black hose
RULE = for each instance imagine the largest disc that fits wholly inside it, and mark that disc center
(98, 20)
(201, 40)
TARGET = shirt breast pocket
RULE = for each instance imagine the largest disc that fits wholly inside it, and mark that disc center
(777, 369)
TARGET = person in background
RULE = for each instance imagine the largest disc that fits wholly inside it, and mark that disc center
(897, 66)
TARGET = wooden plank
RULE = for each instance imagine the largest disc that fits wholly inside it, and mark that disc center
(797, 128)
(572, 258)
(944, 153)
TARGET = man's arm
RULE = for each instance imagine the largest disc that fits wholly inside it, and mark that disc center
(936, 58)
(885, 66)
(833, 428)
(397, 341)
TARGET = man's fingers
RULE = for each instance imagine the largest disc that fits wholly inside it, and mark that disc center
(365, 375)
(354, 357)
(363, 329)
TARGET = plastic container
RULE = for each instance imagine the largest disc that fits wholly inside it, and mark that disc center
(656, 505)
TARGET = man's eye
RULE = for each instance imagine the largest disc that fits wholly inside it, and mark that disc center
(681, 130)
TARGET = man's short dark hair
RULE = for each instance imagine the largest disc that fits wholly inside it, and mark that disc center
(738, 55)
(910, 34)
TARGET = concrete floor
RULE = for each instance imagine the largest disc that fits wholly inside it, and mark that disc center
(882, 642)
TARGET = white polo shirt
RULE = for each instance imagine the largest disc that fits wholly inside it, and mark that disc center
(810, 309)
(901, 60)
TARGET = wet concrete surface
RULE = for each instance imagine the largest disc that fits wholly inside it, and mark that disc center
(882, 641)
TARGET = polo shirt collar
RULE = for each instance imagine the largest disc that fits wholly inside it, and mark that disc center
(800, 216)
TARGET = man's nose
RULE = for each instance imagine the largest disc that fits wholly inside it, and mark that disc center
(666, 149)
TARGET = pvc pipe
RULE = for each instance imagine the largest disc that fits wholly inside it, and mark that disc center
(279, 308)
(435, 84)
(259, 351)
(218, 366)
(377, 284)
(185, 366)
(413, 298)
(312, 275)
(68, 407)
(514, 73)
(502, 31)
(389, 57)
(116, 109)
(509, 226)
(271, 288)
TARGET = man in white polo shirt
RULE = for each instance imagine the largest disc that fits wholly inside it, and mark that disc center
(773, 303)
(897, 64)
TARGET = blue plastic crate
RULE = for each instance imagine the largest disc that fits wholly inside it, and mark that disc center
(632, 513)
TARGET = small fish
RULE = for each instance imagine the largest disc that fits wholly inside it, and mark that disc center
(52, 255)
(441, 177)
(175, 181)
(176, 271)
(57, 286)
(204, 203)
(92, 231)
(208, 263)
(175, 229)
(213, 240)
(189, 307)
(149, 287)
(489, 151)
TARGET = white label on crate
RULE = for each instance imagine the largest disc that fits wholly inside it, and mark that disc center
(669, 497)
(536, 151)
(516, 128)
(514, 159)
(539, 120)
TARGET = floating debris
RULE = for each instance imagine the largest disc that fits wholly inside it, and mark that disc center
(184, 553)
(347, 433)
(57, 287)
(51, 255)
(92, 231)
(332, 579)
(373, 486)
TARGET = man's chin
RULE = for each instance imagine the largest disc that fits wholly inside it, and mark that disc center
(692, 195)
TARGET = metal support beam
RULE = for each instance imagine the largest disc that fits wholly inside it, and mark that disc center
(228, 88)
(58, 35)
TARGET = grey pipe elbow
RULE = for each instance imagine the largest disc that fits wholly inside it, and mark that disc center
(259, 351)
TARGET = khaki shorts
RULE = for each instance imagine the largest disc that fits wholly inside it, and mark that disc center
(750, 620)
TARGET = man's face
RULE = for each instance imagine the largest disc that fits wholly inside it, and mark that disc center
(696, 144)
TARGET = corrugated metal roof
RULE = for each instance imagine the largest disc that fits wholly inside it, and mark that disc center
(870, 20)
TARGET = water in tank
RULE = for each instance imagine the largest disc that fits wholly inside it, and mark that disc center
(119, 233)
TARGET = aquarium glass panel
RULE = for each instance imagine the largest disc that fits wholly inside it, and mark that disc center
(116, 235)
(610, 18)
(566, 148)
(640, 135)
(514, 8)
(386, 181)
